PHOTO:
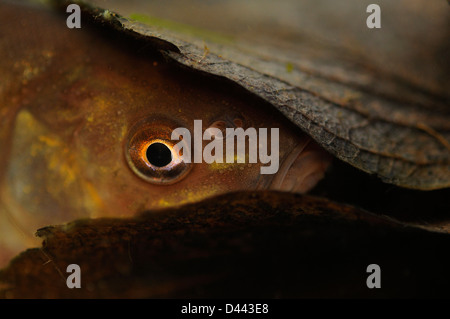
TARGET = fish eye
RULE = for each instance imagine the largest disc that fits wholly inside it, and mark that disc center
(159, 154)
(151, 154)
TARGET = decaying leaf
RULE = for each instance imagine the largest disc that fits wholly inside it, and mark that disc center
(384, 110)
(263, 244)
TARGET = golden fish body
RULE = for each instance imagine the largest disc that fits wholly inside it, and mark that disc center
(71, 101)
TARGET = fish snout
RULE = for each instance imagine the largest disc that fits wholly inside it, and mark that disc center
(302, 168)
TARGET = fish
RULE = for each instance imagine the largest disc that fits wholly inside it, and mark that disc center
(81, 108)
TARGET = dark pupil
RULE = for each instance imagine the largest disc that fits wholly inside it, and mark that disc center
(159, 154)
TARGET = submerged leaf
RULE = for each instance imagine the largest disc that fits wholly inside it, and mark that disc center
(384, 111)
(263, 244)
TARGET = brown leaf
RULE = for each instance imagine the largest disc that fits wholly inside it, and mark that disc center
(371, 100)
(263, 244)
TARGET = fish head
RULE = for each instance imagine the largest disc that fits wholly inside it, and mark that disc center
(91, 134)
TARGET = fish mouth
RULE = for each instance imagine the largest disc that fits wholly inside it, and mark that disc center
(302, 168)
